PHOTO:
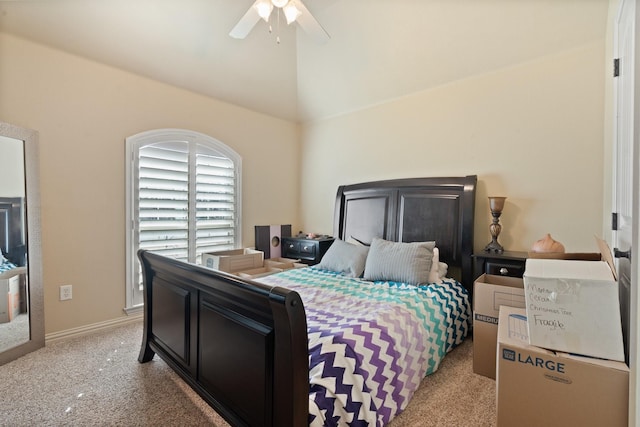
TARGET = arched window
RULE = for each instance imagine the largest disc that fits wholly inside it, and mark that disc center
(183, 199)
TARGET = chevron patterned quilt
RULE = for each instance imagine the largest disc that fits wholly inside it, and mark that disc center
(371, 343)
(6, 266)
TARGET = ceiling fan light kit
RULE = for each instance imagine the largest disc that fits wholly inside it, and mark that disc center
(264, 9)
(293, 10)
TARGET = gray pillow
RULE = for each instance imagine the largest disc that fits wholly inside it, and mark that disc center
(345, 258)
(399, 261)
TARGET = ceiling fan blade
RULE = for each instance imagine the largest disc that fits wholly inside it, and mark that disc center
(246, 23)
(309, 23)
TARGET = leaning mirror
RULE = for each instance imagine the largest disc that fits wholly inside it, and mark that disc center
(21, 290)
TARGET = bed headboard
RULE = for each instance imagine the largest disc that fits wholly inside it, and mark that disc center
(11, 229)
(413, 210)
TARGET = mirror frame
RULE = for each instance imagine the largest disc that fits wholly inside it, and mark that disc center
(34, 242)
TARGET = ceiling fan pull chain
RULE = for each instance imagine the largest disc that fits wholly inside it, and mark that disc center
(278, 26)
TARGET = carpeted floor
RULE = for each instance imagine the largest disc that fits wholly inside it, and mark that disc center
(96, 380)
(452, 396)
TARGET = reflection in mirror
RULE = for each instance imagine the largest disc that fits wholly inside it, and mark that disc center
(21, 294)
(14, 319)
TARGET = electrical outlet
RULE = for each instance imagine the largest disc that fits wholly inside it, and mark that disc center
(66, 292)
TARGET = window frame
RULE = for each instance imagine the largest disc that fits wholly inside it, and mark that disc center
(134, 298)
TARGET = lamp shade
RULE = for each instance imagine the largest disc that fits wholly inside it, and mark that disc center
(496, 204)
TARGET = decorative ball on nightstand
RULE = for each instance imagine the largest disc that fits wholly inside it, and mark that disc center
(547, 245)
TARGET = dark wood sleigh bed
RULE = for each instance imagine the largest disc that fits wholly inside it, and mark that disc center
(243, 345)
(12, 233)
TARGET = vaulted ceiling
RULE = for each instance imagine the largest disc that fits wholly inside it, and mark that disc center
(379, 49)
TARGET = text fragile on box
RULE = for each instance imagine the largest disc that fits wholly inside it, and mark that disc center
(573, 306)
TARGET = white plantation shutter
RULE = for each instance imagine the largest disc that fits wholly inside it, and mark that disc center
(183, 201)
(215, 211)
(163, 199)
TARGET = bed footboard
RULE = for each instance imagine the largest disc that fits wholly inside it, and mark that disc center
(240, 344)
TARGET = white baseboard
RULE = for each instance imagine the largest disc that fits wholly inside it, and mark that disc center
(94, 327)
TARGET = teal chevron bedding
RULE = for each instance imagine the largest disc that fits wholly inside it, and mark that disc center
(371, 343)
(6, 266)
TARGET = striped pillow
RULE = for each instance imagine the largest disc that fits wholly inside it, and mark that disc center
(399, 261)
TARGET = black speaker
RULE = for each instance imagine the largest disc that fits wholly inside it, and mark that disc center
(268, 239)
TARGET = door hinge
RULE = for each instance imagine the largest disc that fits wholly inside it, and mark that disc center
(616, 67)
(614, 221)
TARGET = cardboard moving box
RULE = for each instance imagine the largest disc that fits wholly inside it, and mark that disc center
(573, 306)
(584, 256)
(489, 293)
(233, 260)
(284, 263)
(538, 387)
(258, 272)
(9, 298)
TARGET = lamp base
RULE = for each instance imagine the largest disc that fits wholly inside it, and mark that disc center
(494, 247)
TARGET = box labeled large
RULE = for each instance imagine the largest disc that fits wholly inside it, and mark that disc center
(539, 387)
(573, 306)
(233, 260)
(489, 294)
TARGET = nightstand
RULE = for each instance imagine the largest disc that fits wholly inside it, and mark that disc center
(508, 263)
(308, 251)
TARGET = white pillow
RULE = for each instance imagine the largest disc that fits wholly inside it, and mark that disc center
(344, 257)
(442, 269)
(434, 274)
(399, 261)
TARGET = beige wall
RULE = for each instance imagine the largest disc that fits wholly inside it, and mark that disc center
(83, 112)
(532, 132)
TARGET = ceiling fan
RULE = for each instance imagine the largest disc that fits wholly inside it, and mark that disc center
(293, 11)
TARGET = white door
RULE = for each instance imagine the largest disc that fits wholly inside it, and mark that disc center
(623, 192)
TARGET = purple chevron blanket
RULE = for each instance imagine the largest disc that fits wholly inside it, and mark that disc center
(371, 343)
